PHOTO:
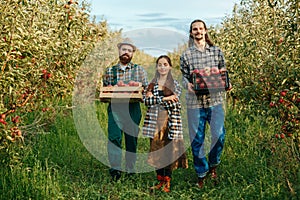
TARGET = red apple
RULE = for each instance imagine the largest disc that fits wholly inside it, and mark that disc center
(202, 72)
(216, 85)
(209, 85)
(213, 79)
(223, 83)
(15, 119)
(131, 83)
(280, 40)
(283, 93)
(205, 79)
(206, 71)
(120, 83)
(196, 71)
(2, 121)
(202, 85)
(136, 84)
(215, 70)
(45, 109)
(19, 133)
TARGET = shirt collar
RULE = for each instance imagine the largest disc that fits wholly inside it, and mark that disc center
(195, 48)
(122, 67)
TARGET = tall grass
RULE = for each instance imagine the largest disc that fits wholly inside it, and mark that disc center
(56, 165)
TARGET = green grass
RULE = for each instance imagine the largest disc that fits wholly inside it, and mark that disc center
(56, 165)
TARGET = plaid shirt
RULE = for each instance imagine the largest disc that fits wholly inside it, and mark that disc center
(155, 104)
(132, 72)
(192, 59)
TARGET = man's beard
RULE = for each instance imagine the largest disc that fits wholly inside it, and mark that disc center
(125, 59)
(202, 36)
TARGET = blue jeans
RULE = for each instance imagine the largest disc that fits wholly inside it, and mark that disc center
(197, 119)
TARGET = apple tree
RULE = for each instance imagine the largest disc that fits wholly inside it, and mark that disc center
(43, 43)
(261, 42)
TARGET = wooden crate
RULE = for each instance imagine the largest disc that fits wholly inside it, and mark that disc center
(119, 94)
(210, 84)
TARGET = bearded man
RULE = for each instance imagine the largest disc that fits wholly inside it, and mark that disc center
(123, 117)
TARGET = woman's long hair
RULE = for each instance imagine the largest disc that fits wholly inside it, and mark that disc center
(169, 86)
(207, 39)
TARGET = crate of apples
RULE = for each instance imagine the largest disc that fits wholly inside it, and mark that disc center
(122, 92)
(209, 80)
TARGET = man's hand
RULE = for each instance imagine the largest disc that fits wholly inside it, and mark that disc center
(191, 87)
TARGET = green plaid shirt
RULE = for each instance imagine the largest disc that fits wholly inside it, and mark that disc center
(131, 72)
(192, 59)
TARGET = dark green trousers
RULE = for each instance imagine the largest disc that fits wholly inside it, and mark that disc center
(123, 118)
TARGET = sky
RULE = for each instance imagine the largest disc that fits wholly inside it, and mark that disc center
(159, 26)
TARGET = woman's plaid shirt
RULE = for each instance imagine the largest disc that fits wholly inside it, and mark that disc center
(155, 104)
(192, 59)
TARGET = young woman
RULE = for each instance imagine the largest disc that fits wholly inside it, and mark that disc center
(163, 124)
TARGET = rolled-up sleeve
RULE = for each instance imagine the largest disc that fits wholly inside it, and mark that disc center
(184, 68)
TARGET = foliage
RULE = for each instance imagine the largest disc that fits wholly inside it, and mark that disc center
(42, 43)
(46, 44)
(250, 168)
(261, 41)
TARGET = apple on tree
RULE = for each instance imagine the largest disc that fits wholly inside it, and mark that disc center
(283, 93)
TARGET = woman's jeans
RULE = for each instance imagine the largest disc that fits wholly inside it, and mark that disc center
(197, 119)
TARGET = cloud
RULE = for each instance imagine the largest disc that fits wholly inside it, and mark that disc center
(150, 14)
(160, 19)
(156, 40)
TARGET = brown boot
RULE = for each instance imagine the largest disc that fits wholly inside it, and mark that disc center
(200, 182)
(167, 187)
(161, 180)
(213, 172)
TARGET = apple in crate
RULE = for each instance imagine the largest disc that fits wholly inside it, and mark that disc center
(206, 71)
(133, 83)
(136, 84)
(202, 85)
(121, 84)
(196, 71)
(202, 72)
(215, 70)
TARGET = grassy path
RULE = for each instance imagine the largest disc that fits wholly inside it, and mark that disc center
(56, 165)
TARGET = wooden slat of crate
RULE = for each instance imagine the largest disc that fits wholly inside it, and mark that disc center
(134, 93)
(122, 89)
